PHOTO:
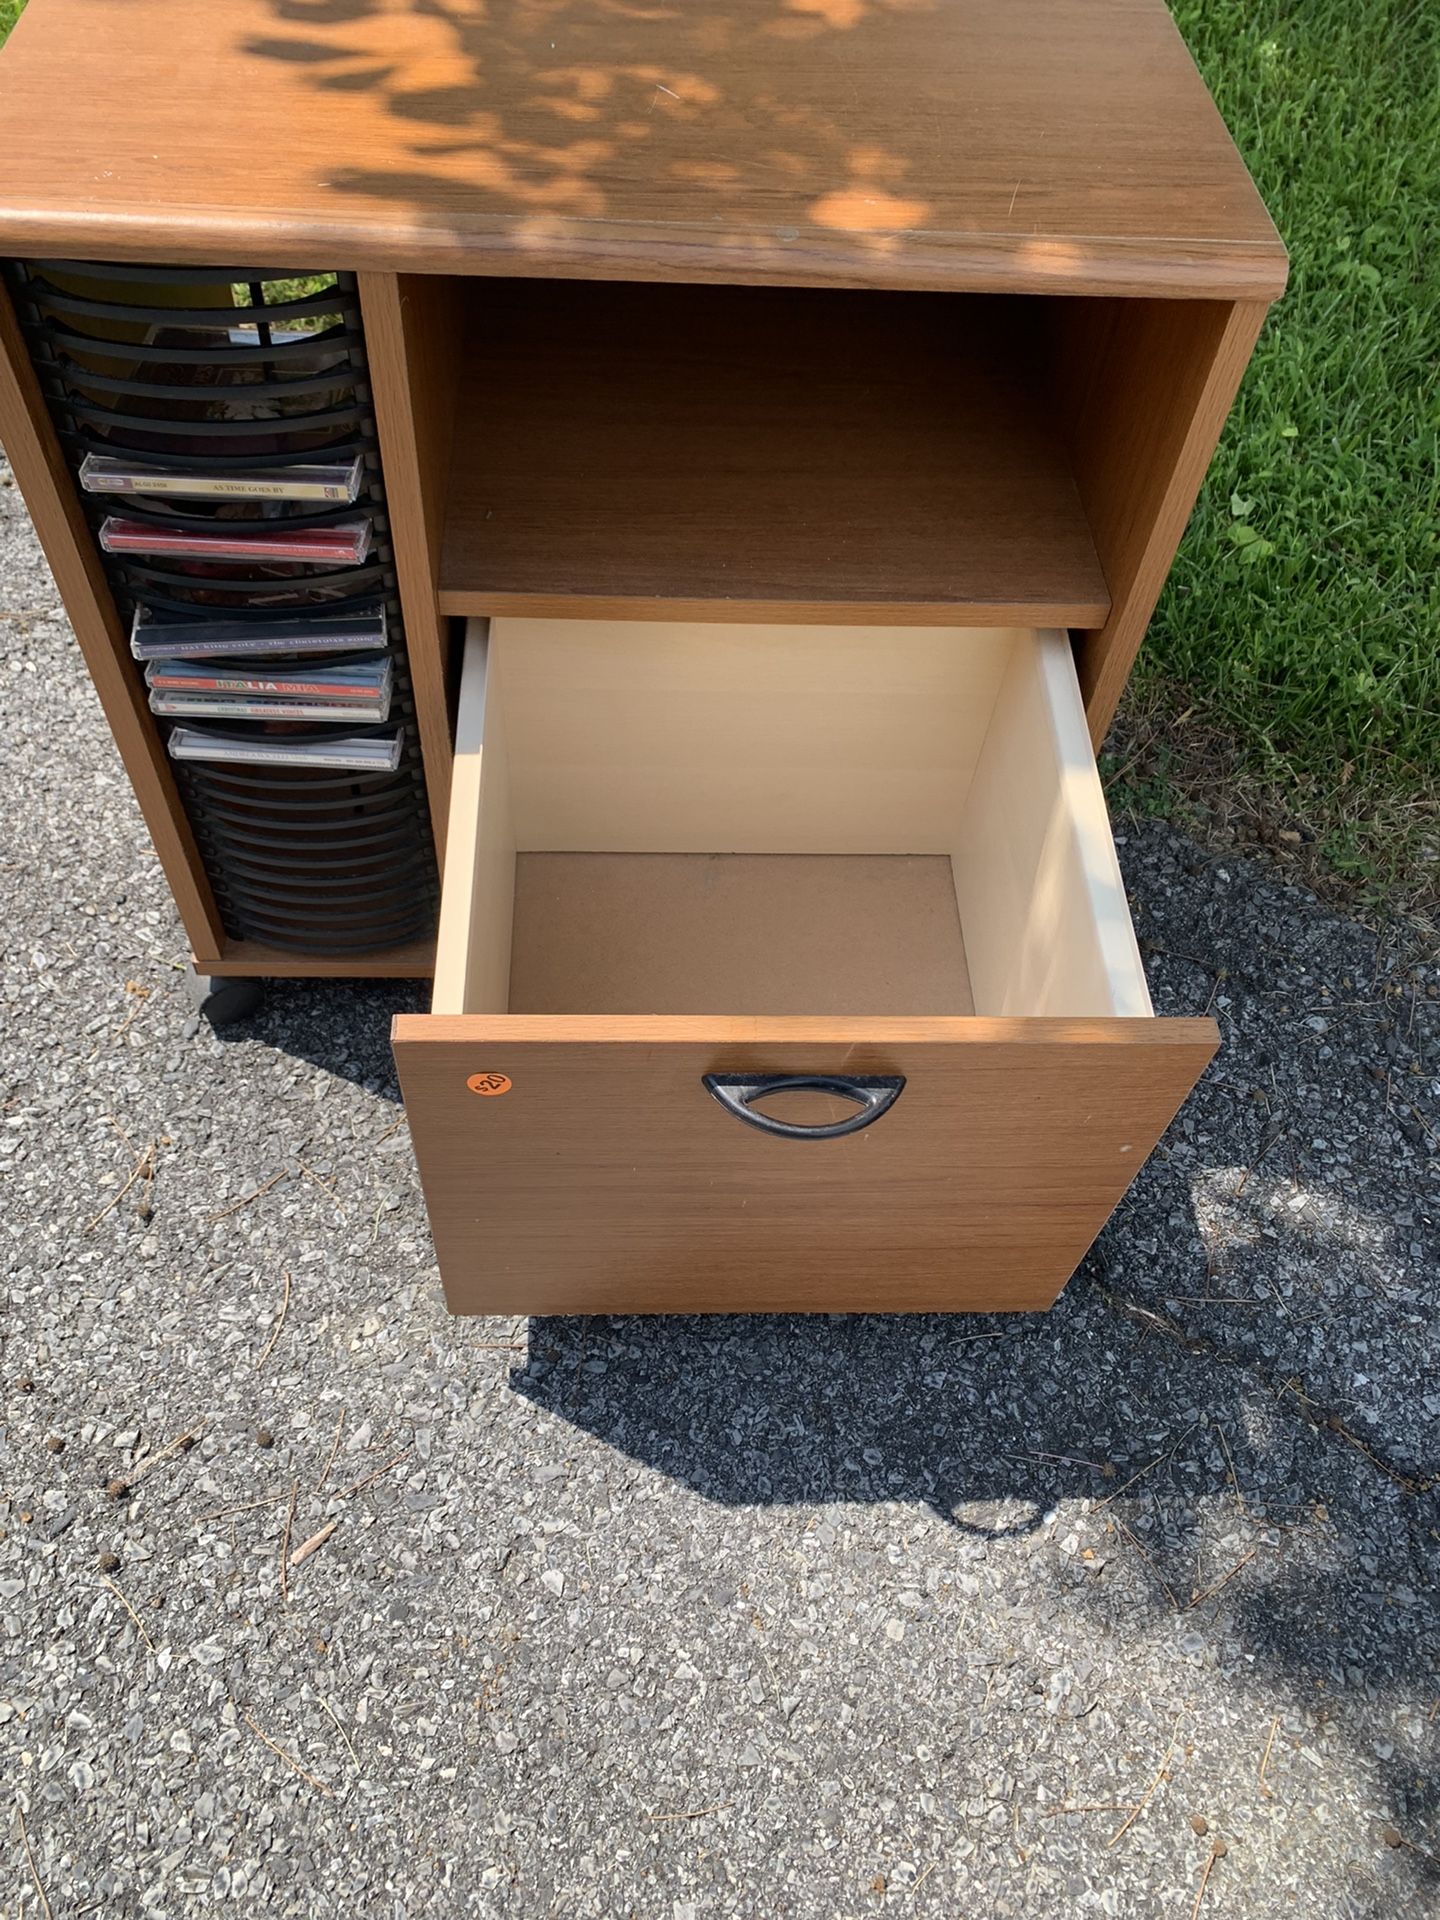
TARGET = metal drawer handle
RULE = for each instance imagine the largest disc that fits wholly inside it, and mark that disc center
(876, 1093)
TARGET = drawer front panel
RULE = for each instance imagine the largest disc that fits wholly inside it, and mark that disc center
(605, 1178)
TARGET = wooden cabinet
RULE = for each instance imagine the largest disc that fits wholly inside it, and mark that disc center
(837, 855)
(784, 422)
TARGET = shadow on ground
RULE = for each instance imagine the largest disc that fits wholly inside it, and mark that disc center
(341, 1027)
(1244, 1506)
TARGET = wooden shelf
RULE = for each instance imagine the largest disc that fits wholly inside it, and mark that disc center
(743, 453)
(415, 961)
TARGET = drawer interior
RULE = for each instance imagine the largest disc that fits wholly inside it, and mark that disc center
(657, 818)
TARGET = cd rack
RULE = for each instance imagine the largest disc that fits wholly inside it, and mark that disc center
(191, 372)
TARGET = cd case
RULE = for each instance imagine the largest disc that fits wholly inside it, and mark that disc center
(201, 706)
(338, 482)
(363, 631)
(361, 753)
(180, 689)
(345, 544)
(357, 682)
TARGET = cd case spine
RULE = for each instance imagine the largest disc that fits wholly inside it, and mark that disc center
(343, 545)
(218, 707)
(363, 753)
(363, 632)
(336, 483)
(359, 682)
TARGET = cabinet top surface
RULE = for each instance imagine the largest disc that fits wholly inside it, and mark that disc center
(1067, 146)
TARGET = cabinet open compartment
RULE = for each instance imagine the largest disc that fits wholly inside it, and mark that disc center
(207, 381)
(685, 861)
(760, 453)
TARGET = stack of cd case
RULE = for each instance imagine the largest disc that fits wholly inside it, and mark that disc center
(219, 427)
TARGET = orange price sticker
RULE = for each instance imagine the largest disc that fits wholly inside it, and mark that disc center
(489, 1083)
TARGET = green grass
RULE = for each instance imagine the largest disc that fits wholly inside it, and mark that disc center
(9, 14)
(1303, 607)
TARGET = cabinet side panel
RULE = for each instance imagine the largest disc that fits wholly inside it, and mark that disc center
(1144, 388)
(39, 466)
(412, 343)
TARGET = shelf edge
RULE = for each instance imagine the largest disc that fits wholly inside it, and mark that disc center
(255, 960)
(471, 602)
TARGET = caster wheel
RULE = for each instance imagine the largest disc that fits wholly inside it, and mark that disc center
(224, 1001)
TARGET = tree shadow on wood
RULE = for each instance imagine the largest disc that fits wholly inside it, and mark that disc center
(558, 118)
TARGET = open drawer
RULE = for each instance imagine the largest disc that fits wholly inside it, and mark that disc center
(686, 862)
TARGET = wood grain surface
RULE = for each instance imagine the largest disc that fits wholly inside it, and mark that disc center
(412, 345)
(607, 1180)
(1044, 146)
(761, 454)
(477, 893)
(1144, 387)
(1041, 896)
(414, 961)
(660, 737)
(758, 932)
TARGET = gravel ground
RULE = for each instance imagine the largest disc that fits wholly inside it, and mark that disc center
(1127, 1610)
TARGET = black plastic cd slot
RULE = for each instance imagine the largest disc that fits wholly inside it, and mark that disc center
(209, 390)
